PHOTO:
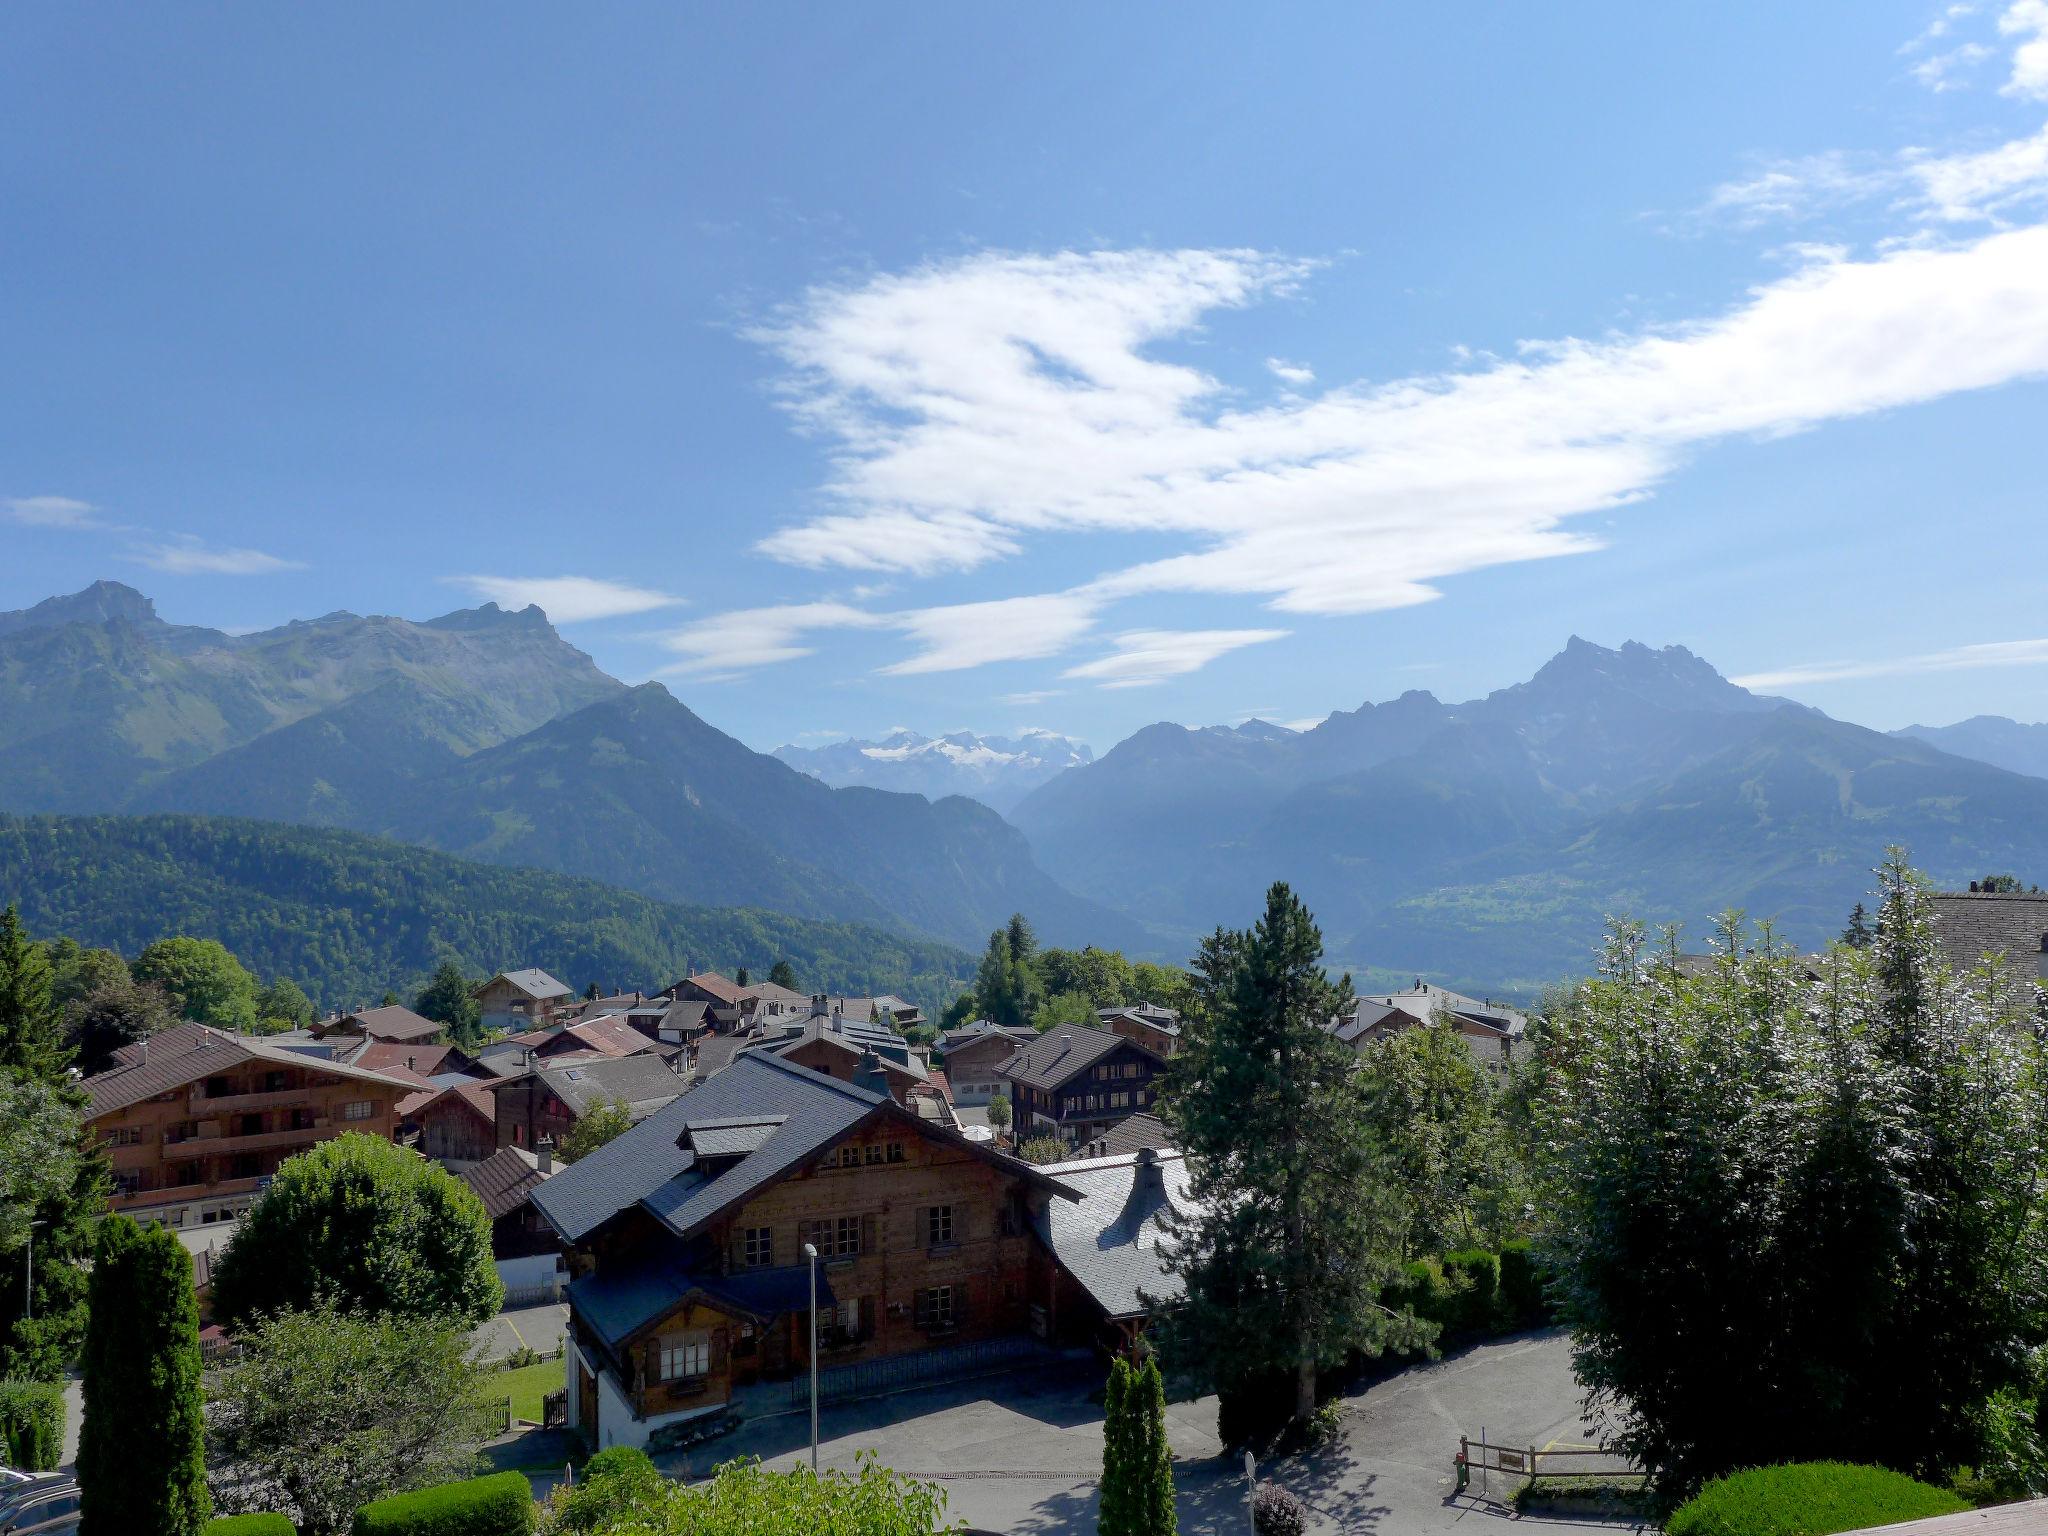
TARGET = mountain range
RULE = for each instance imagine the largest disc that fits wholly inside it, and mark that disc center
(1486, 842)
(996, 770)
(1990, 739)
(484, 733)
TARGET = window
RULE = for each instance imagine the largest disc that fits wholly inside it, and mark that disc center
(936, 1311)
(1120, 1100)
(835, 1237)
(849, 1157)
(938, 1225)
(895, 1151)
(125, 1136)
(757, 1247)
(273, 1082)
(358, 1109)
(686, 1356)
(875, 1153)
(841, 1324)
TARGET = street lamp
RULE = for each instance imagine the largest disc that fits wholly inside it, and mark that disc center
(1251, 1482)
(811, 1253)
(28, 1284)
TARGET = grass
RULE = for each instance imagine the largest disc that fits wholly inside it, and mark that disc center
(1814, 1498)
(525, 1385)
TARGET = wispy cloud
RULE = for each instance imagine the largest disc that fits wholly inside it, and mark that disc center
(1963, 658)
(1944, 71)
(52, 512)
(1146, 656)
(567, 599)
(1030, 696)
(1938, 28)
(1006, 629)
(730, 643)
(190, 557)
(1298, 374)
(2027, 20)
(1305, 723)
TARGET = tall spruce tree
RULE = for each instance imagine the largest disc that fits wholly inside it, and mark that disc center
(448, 1000)
(1298, 1223)
(141, 1447)
(1860, 933)
(1154, 1461)
(1117, 1511)
(31, 1024)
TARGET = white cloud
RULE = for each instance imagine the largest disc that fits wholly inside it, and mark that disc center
(1964, 658)
(1962, 187)
(734, 642)
(1146, 656)
(1298, 374)
(1799, 188)
(1006, 629)
(1030, 697)
(1305, 723)
(1938, 28)
(52, 512)
(187, 556)
(1939, 71)
(1985, 185)
(1003, 396)
(2028, 21)
(566, 599)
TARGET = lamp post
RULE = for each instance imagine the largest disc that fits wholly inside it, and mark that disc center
(811, 1253)
(1251, 1483)
(28, 1284)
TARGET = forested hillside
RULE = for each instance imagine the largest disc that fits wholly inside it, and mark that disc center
(349, 916)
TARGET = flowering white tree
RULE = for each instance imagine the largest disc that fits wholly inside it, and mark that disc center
(1796, 1218)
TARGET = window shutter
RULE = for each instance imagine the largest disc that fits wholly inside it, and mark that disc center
(652, 1355)
(923, 1309)
(867, 1233)
(719, 1349)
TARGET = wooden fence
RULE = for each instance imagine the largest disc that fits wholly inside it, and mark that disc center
(1529, 1463)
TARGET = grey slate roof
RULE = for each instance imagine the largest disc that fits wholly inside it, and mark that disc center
(620, 1299)
(1141, 1130)
(1109, 1240)
(503, 1180)
(651, 1165)
(1063, 1053)
(643, 1081)
(1972, 924)
(534, 982)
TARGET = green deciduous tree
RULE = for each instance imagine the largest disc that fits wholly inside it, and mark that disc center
(999, 1113)
(1064, 1008)
(282, 1005)
(1041, 1150)
(1797, 1220)
(117, 1012)
(1102, 976)
(599, 1124)
(141, 1444)
(743, 1500)
(449, 999)
(327, 1410)
(1006, 987)
(1435, 1111)
(76, 971)
(359, 1222)
(1299, 1225)
(207, 984)
(31, 1028)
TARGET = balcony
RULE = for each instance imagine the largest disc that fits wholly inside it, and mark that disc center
(197, 1103)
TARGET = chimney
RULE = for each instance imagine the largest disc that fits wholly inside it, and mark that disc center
(1066, 1041)
(1973, 888)
(546, 1153)
(869, 1075)
(412, 1063)
(527, 1058)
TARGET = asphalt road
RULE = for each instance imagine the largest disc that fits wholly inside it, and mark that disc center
(1022, 1456)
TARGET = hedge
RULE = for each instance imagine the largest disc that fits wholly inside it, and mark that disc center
(1475, 1274)
(1524, 1296)
(32, 1424)
(498, 1505)
(248, 1525)
(1813, 1498)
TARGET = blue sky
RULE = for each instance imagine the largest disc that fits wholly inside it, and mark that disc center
(981, 366)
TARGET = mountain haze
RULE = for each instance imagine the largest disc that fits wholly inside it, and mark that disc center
(1990, 739)
(996, 770)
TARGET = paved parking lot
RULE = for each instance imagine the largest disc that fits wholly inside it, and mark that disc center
(1022, 1456)
(539, 1329)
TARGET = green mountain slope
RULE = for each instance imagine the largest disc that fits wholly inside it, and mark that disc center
(348, 916)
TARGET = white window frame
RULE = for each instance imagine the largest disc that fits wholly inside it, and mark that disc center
(687, 1356)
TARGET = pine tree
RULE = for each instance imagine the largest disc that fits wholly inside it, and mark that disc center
(1299, 1224)
(782, 974)
(1859, 934)
(31, 1025)
(1118, 1515)
(141, 1447)
(449, 1002)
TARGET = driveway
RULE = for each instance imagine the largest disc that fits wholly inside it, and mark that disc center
(1022, 1455)
(539, 1329)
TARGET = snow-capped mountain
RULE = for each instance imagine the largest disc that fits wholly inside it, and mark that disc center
(996, 770)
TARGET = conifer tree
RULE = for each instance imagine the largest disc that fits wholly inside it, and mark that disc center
(1153, 1473)
(31, 1024)
(1298, 1222)
(1859, 934)
(1118, 1514)
(449, 1002)
(141, 1448)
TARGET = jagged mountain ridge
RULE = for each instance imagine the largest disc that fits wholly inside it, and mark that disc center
(996, 770)
(482, 732)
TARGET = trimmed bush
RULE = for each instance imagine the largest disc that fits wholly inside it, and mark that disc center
(498, 1505)
(1524, 1292)
(616, 1483)
(32, 1424)
(1813, 1498)
(248, 1525)
(1276, 1512)
(1475, 1275)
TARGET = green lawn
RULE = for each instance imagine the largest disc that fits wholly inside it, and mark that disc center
(525, 1386)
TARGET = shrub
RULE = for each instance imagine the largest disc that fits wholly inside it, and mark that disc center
(498, 1505)
(1524, 1300)
(616, 1483)
(1811, 1498)
(1276, 1512)
(1425, 1290)
(1475, 1275)
(248, 1525)
(32, 1424)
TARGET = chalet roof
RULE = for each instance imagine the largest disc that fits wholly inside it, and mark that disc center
(1109, 1239)
(533, 981)
(644, 1082)
(1062, 1054)
(620, 1299)
(685, 1014)
(854, 1040)
(657, 1167)
(712, 984)
(1141, 1130)
(773, 992)
(186, 1053)
(390, 1022)
(504, 1180)
(1424, 999)
(427, 1060)
(473, 1094)
(986, 1029)
(1973, 924)
(1151, 1015)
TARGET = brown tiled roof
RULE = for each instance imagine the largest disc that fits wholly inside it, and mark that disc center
(477, 1095)
(724, 988)
(392, 1023)
(427, 1060)
(1063, 1053)
(612, 1035)
(189, 1052)
(504, 1180)
(1973, 924)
